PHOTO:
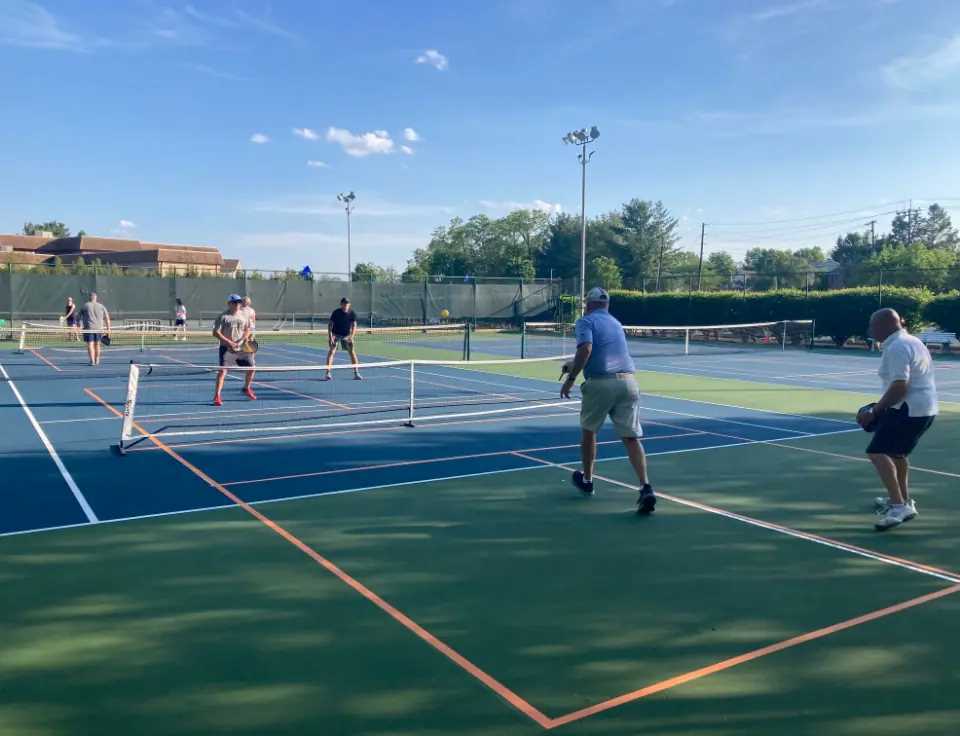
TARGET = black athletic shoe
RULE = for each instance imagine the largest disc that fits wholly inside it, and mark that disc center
(586, 487)
(647, 500)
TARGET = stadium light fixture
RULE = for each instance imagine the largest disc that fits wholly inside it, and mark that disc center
(583, 138)
(347, 200)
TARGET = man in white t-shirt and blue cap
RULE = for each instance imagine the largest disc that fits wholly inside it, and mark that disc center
(902, 415)
(609, 390)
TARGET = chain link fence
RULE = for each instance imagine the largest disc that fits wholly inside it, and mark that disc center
(287, 303)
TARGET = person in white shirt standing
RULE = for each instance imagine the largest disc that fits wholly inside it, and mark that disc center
(180, 320)
(251, 314)
(901, 416)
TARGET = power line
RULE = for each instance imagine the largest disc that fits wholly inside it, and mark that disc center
(859, 210)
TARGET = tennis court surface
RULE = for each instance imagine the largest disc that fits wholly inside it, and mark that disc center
(310, 563)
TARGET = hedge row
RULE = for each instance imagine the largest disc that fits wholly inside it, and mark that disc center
(841, 314)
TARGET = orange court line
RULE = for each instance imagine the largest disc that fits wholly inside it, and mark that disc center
(748, 657)
(489, 681)
(493, 684)
(47, 361)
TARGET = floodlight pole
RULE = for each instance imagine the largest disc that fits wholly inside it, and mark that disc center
(582, 138)
(347, 199)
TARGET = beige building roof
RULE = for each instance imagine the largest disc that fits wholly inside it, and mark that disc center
(23, 242)
(120, 251)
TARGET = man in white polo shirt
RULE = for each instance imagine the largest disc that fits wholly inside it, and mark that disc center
(901, 416)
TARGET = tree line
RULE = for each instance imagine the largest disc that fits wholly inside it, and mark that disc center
(636, 247)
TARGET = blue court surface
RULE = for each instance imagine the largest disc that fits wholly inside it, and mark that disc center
(305, 437)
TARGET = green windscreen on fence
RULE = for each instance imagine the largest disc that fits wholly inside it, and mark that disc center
(280, 303)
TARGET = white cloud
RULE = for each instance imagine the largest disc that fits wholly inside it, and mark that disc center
(307, 134)
(238, 20)
(550, 208)
(409, 134)
(259, 138)
(434, 58)
(407, 150)
(775, 12)
(940, 64)
(127, 225)
(313, 164)
(29, 25)
(361, 144)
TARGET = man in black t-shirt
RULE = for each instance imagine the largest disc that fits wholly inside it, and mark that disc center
(340, 331)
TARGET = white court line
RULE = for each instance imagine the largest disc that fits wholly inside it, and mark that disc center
(448, 458)
(747, 408)
(68, 479)
(348, 429)
(799, 432)
(321, 494)
(788, 531)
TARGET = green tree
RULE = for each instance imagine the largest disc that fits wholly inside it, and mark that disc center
(605, 272)
(721, 263)
(774, 268)
(852, 249)
(58, 229)
(371, 272)
(916, 265)
(937, 231)
(649, 235)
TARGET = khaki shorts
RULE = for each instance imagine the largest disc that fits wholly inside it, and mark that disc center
(615, 396)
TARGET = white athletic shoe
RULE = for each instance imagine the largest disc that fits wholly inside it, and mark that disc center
(895, 516)
(881, 505)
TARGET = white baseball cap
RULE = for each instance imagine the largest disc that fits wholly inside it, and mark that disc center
(596, 294)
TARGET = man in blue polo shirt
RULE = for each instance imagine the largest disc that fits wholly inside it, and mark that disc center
(609, 390)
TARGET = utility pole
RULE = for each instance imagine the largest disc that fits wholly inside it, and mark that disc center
(873, 233)
(347, 200)
(703, 227)
(582, 138)
(659, 263)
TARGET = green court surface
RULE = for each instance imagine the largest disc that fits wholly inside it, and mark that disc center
(756, 600)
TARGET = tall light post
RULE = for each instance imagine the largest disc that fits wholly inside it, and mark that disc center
(347, 200)
(582, 138)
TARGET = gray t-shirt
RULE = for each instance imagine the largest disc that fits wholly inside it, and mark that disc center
(233, 326)
(93, 316)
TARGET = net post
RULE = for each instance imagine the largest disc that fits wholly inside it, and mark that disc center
(813, 333)
(409, 422)
(523, 339)
(129, 407)
(23, 338)
(783, 345)
(466, 341)
(686, 341)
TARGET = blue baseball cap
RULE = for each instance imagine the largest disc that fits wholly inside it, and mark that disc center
(234, 298)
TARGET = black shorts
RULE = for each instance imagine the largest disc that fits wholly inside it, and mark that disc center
(179, 322)
(71, 321)
(898, 433)
(344, 341)
(233, 359)
(92, 336)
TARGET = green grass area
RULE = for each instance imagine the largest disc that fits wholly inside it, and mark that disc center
(210, 623)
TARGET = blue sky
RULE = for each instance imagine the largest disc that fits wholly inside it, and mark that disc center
(236, 123)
